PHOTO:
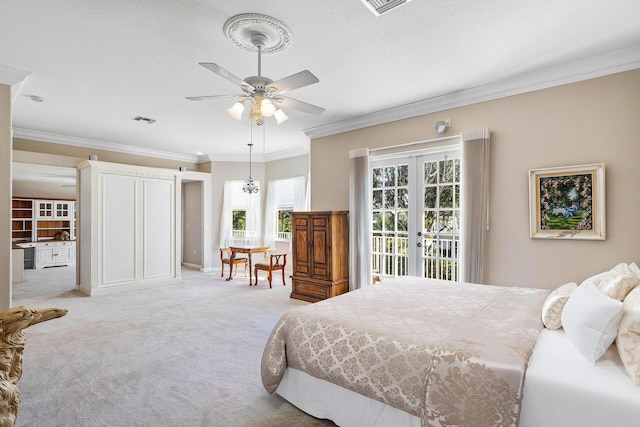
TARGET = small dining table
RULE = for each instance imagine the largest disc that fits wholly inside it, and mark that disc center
(245, 250)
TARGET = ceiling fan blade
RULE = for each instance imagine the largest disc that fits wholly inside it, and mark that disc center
(299, 105)
(294, 81)
(222, 72)
(210, 97)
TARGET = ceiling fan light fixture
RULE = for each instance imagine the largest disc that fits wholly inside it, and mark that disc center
(236, 110)
(267, 108)
(280, 116)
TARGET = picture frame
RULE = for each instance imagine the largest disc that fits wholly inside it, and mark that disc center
(567, 202)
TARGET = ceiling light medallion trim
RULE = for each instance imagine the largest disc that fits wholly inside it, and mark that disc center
(241, 30)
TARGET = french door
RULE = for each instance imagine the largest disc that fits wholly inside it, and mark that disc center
(416, 215)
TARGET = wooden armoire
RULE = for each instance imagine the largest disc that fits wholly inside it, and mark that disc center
(320, 255)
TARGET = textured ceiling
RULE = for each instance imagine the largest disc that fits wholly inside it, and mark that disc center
(99, 64)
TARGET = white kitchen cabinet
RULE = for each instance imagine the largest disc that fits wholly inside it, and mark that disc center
(54, 209)
(44, 209)
(55, 253)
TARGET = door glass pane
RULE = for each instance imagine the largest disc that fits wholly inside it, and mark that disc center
(377, 221)
(389, 199)
(403, 175)
(430, 197)
(431, 173)
(446, 196)
(376, 182)
(403, 198)
(377, 199)
(403, 221)
(389, 176)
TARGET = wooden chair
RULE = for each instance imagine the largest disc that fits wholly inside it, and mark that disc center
(225, 257)
(276, 262)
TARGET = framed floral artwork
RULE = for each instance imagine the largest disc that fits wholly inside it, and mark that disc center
(567, 202)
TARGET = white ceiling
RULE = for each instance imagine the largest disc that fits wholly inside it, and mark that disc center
(30, 172)
(99, 64)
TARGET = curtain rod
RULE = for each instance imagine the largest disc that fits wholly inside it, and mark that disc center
(415, 143)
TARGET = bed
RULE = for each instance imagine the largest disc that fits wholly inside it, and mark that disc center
(416, 352)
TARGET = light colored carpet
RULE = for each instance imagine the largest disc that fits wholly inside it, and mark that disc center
(186, 355)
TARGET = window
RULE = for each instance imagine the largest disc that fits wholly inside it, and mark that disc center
(284, 196)
(240, 222)
(284, 223)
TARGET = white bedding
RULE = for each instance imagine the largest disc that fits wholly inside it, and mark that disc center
(561, 389)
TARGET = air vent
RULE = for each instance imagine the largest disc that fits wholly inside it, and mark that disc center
(378, 7)
(144, 120)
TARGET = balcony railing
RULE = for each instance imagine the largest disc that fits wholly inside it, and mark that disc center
(439, 257)
(284, 235)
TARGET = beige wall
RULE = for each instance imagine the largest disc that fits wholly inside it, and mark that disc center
(5, 197)
(287, 168)
(61, 150)
(192, 223)
(592, 121)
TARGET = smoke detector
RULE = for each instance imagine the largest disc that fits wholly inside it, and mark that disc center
(144, 120)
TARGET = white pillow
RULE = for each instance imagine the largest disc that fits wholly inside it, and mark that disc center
(591, 320)
(628, 340)
(553, 305)
(618, 281)
(635, 269)
(595, 279)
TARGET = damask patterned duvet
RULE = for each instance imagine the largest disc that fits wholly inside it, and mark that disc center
(449, 353)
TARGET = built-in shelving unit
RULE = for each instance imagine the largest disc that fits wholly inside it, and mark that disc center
(36, 220)
(35, 223)
(22, 220)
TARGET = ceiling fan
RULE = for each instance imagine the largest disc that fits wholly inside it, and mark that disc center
(256, 32)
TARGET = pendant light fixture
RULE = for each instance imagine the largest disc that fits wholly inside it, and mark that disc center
(249, 186)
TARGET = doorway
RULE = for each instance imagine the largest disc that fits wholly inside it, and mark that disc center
(416, 214)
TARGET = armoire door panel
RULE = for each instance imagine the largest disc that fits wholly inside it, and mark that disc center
(302, 246)
(117, 243)
(158, 227)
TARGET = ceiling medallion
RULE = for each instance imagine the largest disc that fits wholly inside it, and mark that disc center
(239, 29)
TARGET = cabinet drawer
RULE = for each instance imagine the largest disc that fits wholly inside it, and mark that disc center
(315, 289)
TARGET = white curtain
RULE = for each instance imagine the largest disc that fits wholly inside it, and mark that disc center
(300, 194)
(225, 221)
(270, 220)
(475, 202)
(297, 200)
(359, 219)
(236, 199)
(252, 227)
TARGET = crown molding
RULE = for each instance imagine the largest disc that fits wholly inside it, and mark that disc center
(255, 158)
(259, 158)
(128, 149)
(101, 145)
(596, 66)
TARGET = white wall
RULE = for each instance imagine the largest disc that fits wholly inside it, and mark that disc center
(591, 121)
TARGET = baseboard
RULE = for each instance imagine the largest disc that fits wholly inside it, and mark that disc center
(128, 286)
